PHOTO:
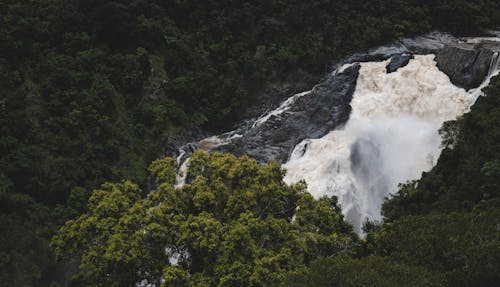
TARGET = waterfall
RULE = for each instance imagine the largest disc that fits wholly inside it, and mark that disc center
(390, 137)
(492, 72)
(494, 65)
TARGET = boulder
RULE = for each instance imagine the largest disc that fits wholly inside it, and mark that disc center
(466, 65)
(398, 61)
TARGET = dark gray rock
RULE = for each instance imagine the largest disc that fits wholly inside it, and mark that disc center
(465, 64)
(398, 61)
(186, 141)
(429, 43)
(493, 46)
(327, 106)
(296, 82)
(310, 116)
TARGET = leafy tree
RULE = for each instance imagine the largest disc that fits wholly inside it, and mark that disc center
(233, 223)
(462, 246)
(24, 225)
(93, 91)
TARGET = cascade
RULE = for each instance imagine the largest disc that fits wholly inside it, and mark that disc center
(494, 65)
(492, 71)
(391, 136)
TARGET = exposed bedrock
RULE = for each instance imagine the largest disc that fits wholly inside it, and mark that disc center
(327, 106)
(398, 61)
(310, 116)
(466, 65)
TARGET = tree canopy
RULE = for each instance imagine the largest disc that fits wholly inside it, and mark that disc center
(94, 91)
(235, 223)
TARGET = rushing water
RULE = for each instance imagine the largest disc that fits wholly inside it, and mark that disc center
(390, 137)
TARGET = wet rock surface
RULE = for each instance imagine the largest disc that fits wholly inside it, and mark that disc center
(398, 61)
(296, 82)
(429, 43)
(466, 65)
(311, 116)
(327, 105)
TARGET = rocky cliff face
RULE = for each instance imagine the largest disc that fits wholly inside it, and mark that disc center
(310, 115)
(326, 106)
(466, 65)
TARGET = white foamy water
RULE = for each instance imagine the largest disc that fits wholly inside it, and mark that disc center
(390, 137)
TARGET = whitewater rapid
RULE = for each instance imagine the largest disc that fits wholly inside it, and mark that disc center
(391, 136)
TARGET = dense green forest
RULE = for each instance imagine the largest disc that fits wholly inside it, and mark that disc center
(235, 223)
(94, 91)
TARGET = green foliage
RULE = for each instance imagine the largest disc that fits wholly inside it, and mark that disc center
(164, 170)
(371, 271)
(462, 246)
(24, 225)
(93, 91)
(448, 220)
(175, 276)
(233, 224)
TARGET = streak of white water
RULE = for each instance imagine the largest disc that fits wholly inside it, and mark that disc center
(182, 174)
(493, 71)
(212, 142)
(342, 68)
(282, 108)
(390, 137)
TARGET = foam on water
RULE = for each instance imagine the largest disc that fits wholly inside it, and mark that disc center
(390, 137)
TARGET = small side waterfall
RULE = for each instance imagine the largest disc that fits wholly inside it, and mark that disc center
(494, 65)
(492, 72)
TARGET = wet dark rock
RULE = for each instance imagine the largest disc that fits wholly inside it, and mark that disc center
(311, 116)
(466, 65)
(429, 43)
(187, 141)
(327, 106)
(398, 61)
(275, 93)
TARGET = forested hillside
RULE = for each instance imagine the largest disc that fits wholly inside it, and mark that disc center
(94, 91)
(235, 223)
